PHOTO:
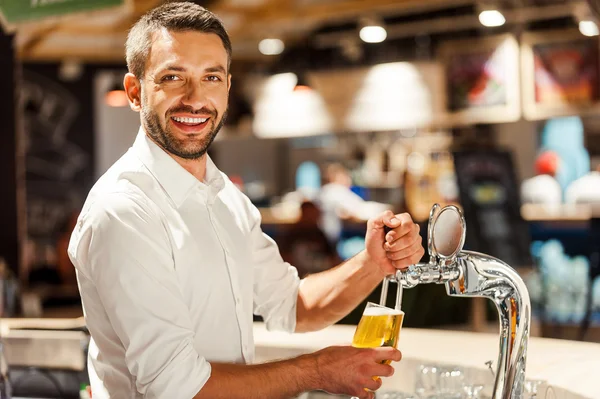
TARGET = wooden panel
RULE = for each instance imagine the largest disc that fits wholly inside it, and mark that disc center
(247, 24)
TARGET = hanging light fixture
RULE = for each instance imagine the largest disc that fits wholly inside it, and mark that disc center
(302, 83)
(116, 96)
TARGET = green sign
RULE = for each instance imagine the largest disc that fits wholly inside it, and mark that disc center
(28, 10)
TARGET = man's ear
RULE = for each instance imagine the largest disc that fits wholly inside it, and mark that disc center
(228, 83)
(133, 89)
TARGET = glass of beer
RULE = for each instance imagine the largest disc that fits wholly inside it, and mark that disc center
(378, 326)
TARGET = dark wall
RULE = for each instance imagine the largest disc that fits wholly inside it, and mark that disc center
(9, 237)
(58, 115)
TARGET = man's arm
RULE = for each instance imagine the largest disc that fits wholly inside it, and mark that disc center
(337, 370)
(283, 379)
(324, 298)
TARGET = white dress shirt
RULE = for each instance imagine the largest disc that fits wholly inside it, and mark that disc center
(170, 271)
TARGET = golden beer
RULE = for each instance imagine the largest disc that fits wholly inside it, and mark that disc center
(378, 326)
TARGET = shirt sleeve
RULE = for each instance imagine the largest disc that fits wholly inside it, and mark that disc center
(124, 249)
(275, 281)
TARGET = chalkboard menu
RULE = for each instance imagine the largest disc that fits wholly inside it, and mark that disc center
(489, 194)
(58, 124)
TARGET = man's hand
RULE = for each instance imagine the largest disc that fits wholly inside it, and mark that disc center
(347, 370)
(399, 248)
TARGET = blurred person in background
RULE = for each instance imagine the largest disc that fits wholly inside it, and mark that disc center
(171, 260)
(339, 202)
(304, 244)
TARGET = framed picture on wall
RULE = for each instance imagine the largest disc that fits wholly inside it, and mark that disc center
(482, 79)
(561, 74)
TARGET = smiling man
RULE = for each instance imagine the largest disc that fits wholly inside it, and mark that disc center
(171, 260)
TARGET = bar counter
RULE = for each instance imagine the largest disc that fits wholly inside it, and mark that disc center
(569, 367)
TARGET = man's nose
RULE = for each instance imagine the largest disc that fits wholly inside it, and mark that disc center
(195, 96)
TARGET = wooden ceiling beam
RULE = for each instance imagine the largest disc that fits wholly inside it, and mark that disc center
(35, 38)
(288, 9)
(275, 13)
(58, 54)
(142, 6)
(282, 18)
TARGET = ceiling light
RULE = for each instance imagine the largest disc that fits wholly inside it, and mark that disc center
(588, 28)
(373, 34)
(491, 18)
(271, 46)
(372, 29)
(116, 96)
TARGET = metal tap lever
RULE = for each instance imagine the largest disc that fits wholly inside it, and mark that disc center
(471, 274)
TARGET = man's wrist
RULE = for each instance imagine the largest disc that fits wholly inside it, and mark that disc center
(308, 372)
(369, 265)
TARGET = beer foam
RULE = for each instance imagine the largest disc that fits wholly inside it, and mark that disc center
(376, 311)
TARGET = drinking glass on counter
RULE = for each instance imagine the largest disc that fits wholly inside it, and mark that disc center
(433, 381)
(394, 395)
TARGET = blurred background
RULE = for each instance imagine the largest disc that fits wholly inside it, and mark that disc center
(339, 109)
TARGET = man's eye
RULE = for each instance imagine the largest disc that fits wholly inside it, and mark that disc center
(213, 78)
(170, 78)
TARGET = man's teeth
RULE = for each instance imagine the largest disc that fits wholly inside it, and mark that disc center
(194, 121)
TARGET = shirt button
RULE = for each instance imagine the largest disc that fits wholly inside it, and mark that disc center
(237, 301)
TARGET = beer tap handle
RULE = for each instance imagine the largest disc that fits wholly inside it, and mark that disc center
(384, 291)
(386, 280)
(399, 290)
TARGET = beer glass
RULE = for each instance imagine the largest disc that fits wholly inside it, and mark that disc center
(378, 326)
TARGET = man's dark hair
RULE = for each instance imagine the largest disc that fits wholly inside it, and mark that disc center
(175, 17)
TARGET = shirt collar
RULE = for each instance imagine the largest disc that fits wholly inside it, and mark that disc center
(173, 178)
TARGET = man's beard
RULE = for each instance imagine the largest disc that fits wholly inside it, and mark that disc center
(167, 140)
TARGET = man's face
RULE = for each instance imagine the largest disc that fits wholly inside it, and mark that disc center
(184, 91)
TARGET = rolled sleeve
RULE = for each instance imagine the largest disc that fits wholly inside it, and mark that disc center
(275, 281)
(124, 249)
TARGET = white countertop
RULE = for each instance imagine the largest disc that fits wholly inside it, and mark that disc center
(567, 365)
(571, 365)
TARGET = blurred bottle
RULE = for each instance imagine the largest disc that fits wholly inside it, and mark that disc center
(566, 281)
(430, 179)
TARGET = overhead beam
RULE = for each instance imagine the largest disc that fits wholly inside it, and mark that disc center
(91, 55)
(340, 9)
(260, 20)
(283, 18)
(35, 38)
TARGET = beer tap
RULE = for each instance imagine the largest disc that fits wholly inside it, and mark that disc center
(472, 274)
